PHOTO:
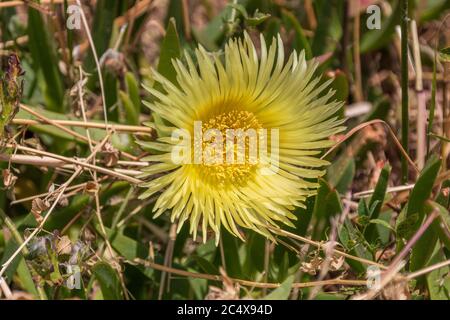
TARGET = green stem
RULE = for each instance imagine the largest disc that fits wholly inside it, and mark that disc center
(232, 19)
(121, 209)
(404, 79)
(432, 106)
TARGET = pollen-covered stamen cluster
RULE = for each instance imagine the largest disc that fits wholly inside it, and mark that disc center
(239, 125)
(259, 96)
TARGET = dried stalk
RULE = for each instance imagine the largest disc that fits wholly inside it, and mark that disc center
(60, 192)
(82, 164)
(82, 124)
(247, 283)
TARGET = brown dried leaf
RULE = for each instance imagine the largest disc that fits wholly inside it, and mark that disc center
(313, 266)
(91, 187)
(9, 179)
(385, 255)
(114, 61)
(230, 290)
(110, 155)
(63, 245)
(37, 207)
(336, 263)
(64, 201)
(397, 290)
(88, 236)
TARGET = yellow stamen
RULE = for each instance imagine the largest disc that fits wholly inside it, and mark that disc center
(226, 173)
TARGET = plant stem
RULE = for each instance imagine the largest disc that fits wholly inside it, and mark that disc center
(358, 91)
(248, 283)
(322, 247)
(60, 192)
(78, 163)
(432, 105)
(404, 80)
(366, 124)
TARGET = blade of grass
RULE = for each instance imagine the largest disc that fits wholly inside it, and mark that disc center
(404, 84)
(378, 197)
(300, 42)
(45, 60)
(170, 49)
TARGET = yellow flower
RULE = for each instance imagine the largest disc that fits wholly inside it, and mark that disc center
(284, 103)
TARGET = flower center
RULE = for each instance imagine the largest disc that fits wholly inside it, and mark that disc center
(230, 147)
